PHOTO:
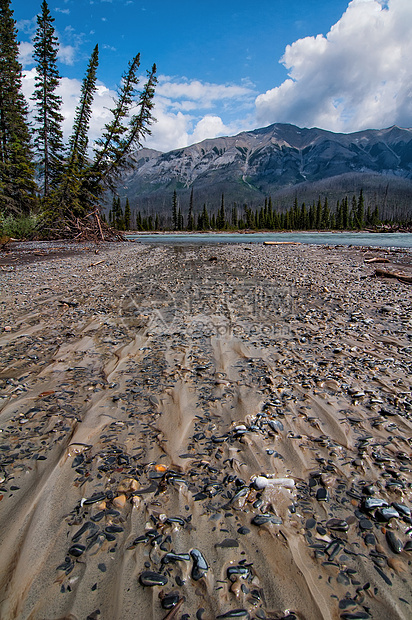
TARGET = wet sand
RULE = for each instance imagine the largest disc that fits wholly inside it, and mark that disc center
(205, 432)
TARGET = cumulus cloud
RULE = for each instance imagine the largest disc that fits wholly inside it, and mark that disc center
(209, 126)
(203, 93)
(26, 53)
(171, 130)
(358, 76)
(183, 111)
(66, 54)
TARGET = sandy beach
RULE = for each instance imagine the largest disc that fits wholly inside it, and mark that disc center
(199, 432)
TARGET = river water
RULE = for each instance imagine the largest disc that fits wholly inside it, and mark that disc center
(396, 240)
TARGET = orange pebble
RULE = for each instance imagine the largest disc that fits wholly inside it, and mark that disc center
(160, 468)
(119, 501)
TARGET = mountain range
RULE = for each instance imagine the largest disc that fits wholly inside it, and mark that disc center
(282, 161)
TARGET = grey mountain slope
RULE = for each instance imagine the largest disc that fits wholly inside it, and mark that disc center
(280, 160)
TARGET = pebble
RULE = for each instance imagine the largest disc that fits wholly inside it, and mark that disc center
(339, 525)
(322, 495)
(200, 566)
(394, 543)
(235, 613)
(233, 572)
(120, 501)
(386, 513)
(262, 519)
(169, 601)
(243, 530)
(261, 482)
(77, 550)
(365, 524)
(150, 578)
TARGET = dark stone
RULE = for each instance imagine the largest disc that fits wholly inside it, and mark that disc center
(310, 524)
(339, 525)
(77, 550)
(394, 543)
(150, 578)
(170, 600)
(243, 530)
(200, 566)
(322, 495)
(365, 524)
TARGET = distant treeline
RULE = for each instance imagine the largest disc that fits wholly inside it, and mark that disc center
(347, 214)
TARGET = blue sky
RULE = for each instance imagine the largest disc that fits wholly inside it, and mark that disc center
(232, 65)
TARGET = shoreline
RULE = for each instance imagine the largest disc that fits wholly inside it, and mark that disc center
(205, 427)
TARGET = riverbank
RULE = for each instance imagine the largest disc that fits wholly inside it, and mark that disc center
(223, 428)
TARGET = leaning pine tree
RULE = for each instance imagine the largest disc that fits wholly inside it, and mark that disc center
(85, 180)
(69, 197)
(48, 139)
(17, 185)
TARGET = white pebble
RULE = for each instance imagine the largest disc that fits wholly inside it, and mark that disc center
(260, 482)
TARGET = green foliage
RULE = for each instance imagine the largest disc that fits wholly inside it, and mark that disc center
(19, 226)
(114, 150)
(48, 133)
(84, 181)
(17, 185)
(174, 210)
(127, 215)
(72, 194)
(203, 222)
(190, 217)
(221, 218)
(319, 216)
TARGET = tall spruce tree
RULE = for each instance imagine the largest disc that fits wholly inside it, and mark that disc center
(127, 215)
(17, 185)
(325, 218)
(235, 221)
(48, 132)
(221, 218)
(174, 211)
(190, 217)
(360, 211)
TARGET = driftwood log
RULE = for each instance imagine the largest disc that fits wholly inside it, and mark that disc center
(398, 275)
(376, 259)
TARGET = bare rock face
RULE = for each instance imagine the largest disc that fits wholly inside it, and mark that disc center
(279, 160)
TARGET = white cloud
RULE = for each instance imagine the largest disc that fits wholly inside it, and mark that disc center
(27, 25)
(26, 53)
(180, 106)
(356, 77)
(66, 54)
(171, 131)
(204, 93)
(209, 126)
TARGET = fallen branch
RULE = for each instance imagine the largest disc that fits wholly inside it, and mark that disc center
(96, 215)
(402, 277)
(376, 259)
